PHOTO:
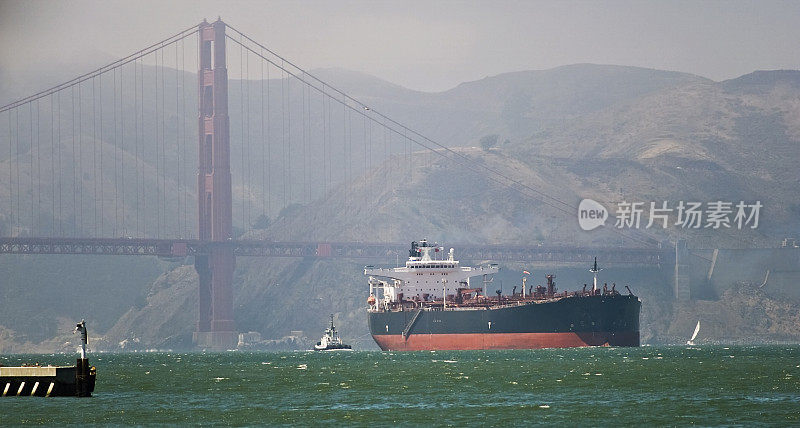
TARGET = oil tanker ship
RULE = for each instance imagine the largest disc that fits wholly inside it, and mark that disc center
(431, 304)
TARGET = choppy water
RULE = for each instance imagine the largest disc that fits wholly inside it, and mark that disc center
(702, 385)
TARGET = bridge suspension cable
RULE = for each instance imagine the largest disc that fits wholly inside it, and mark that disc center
(299, 72)
(353, 105)
(115, 64)
(97, 167)
(310, 161)
(321, 85)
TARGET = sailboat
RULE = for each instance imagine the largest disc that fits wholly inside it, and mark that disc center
(694, 335)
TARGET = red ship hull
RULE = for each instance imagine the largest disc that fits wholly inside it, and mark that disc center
(473, 341)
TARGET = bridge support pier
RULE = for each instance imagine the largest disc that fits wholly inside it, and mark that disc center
(203, 269)
(681, 286)
(216, 329)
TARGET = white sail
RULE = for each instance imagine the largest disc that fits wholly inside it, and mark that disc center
(694, 335)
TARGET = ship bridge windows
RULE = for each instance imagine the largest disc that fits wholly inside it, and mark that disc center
(432, 266)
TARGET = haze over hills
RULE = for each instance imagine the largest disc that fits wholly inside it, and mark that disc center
(610, 133)
(512, 104)
(667, 137)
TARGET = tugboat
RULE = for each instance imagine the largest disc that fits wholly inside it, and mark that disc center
(331, 340)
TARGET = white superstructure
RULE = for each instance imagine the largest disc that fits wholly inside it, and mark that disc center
(424, 277)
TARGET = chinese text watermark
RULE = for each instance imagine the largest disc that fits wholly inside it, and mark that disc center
(687, 215)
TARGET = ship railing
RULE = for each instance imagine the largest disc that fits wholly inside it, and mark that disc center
(437, 305)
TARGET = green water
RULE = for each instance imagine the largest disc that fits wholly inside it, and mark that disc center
(678, 385)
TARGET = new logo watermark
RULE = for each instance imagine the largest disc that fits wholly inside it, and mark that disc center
(686, 215)
(591, 214)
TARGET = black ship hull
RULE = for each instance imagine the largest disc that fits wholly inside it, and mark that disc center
(598, 320)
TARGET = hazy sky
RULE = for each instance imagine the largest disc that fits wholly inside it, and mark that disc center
(425, 45)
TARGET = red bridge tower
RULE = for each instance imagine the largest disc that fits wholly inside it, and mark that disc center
(215, 325)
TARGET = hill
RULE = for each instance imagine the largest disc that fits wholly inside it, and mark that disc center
(610, 133)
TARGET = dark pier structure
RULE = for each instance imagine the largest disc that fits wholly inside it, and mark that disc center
(51, 381)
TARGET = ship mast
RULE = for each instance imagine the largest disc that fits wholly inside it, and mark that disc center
(524, 284)
(486, 281)
(594, 270)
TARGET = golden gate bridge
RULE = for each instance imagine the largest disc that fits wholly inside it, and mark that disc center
(119, 161)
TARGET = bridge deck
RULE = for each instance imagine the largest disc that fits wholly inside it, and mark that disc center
(347, 250)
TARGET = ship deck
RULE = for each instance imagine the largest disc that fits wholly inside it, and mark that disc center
(483, 303)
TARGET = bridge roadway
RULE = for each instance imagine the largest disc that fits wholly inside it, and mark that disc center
(175, 248)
